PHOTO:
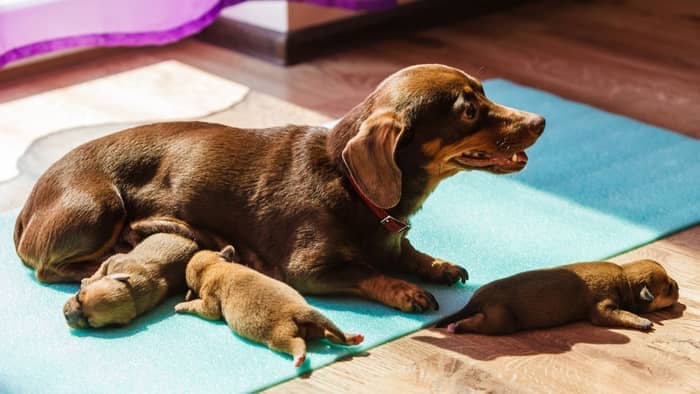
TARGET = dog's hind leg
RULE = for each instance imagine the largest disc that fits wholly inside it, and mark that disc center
(65, 235)
(136, 231)
(492, 320)
(207, 308)
(285, 340)
(319, 326)
(349, 339)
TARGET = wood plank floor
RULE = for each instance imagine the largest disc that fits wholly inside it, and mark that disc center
(638, 58)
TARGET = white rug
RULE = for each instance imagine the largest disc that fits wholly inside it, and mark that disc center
(164, 91)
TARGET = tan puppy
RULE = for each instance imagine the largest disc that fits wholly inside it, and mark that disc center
(127, 285)
(255, 306)
(604, 293)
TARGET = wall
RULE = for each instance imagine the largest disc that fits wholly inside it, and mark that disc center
(281, 16)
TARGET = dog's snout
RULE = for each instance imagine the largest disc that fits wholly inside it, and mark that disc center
(537, 124)
(674, 287)
(74, 315)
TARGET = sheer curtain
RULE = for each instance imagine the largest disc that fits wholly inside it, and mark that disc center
(32, 27)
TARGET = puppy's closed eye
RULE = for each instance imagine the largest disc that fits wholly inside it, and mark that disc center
(119, 276)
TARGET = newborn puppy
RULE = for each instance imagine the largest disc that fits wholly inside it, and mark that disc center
(128, 284)
(256, 306)
(604, 293)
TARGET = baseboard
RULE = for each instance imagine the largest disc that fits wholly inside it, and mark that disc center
(304, 44)
(52, 62)
(253, 40)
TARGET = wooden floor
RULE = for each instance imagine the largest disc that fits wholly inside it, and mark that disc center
(639, 58)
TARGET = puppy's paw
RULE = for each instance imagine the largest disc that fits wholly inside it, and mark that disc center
(299, 360)
(645, 324)
(411, 298)
(181, 307)
(354, 339)
(446, 273)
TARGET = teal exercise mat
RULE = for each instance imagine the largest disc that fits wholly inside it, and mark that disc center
(597, 184)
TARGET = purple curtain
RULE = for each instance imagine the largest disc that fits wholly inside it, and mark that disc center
(32, 27)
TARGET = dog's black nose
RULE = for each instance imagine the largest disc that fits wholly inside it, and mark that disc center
(537, 125)
(74, 318)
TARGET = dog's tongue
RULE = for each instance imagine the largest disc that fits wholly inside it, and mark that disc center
(475, 159)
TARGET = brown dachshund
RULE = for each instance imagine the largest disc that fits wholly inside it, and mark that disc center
(604, 293)
(323, 210)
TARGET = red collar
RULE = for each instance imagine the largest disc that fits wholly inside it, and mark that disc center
(390, 223)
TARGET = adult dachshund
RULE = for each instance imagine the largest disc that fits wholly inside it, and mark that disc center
(323, 210)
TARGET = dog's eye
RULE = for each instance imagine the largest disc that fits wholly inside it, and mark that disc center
(470, 111)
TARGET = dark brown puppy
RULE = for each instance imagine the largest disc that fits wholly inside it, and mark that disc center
(127, 285)
(255, 306)
(283, 196)
(604, 293)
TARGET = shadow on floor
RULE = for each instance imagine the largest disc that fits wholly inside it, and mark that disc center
(551, 341)
(547, 341)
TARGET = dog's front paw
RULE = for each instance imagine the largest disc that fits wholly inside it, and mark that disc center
(645, 324)
(411, 298)
(446, 273)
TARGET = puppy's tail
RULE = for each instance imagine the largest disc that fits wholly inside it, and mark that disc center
(470, 309)
(331, 331)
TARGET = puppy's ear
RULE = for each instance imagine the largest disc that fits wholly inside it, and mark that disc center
(120, 277)
(369, 156)
(228, 253)
(646, 295)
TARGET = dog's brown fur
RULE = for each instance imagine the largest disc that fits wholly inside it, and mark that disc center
(282, 195)
(604, 293)
(256, 306)
(128, 285)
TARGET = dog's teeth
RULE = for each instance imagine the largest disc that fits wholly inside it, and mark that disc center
(515, 157)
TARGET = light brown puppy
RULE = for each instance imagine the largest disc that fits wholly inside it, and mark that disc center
(127, 285)
(255, 306)
(604, 293)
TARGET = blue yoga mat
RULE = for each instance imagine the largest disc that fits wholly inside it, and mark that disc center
(597, 184)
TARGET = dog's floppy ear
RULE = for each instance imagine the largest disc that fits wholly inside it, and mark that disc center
(369, 156)
(646, 295)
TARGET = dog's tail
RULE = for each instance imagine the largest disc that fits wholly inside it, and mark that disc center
(331, 331)
(470, 309)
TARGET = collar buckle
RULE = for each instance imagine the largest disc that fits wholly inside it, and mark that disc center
(394, 225)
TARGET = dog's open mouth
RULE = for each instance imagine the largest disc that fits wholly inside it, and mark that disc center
(494, 162)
